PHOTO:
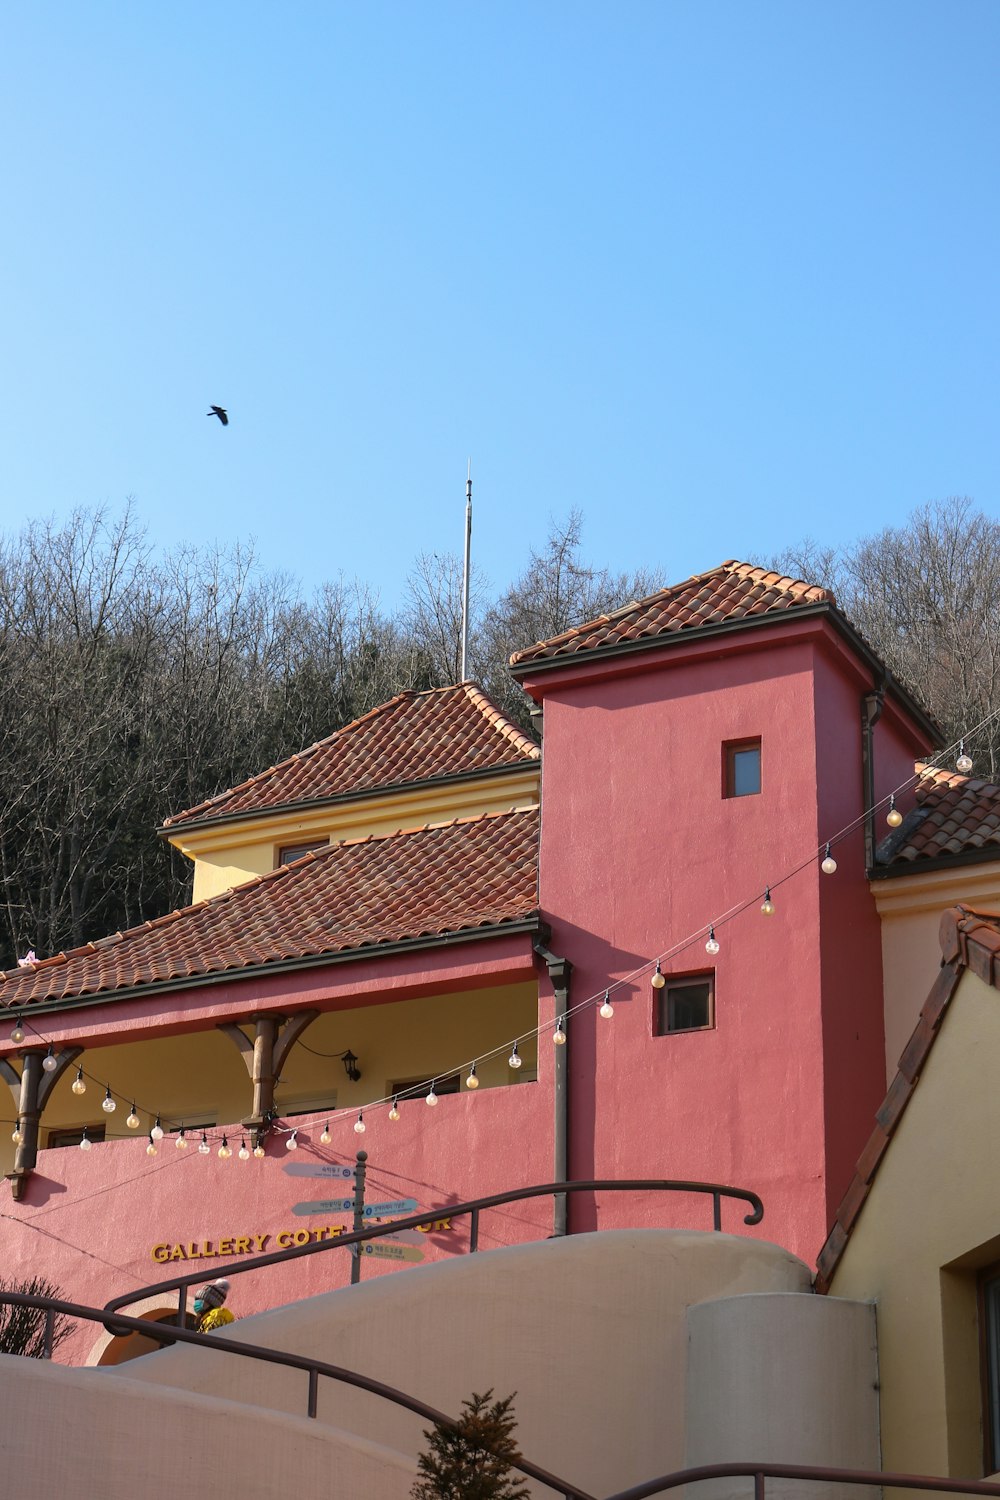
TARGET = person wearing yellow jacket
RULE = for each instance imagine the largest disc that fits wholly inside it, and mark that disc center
(208, 1306)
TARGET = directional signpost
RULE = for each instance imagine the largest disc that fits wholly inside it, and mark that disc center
(320, 1169)
(399, 1247)
(392, 1252)
(324, 1206)
(397, 1206)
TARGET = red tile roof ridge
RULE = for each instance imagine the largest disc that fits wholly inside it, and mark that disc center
(472, 691)
(970, 939)
(940, 776)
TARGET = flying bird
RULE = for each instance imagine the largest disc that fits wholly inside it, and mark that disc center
(221, 413)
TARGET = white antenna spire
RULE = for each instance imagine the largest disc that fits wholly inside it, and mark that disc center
(466, 575)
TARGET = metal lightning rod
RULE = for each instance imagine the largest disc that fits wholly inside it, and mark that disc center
(466, 575)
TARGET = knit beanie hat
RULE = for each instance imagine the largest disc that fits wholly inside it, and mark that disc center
(214, 1294)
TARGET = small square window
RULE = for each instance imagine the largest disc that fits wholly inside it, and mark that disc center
(686, 1004)
(741, 768)
(291, 852)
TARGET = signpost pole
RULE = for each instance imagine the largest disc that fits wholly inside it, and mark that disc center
(359, 1215)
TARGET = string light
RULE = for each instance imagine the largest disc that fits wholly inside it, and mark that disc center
(151, 1148)
(15, 1134)
(431, 1098)
(325, 1137)
(156, 1133)
(107, 1103)
(658, 980)
(85, 1141)
(712, 946)
(394, 1111)
(259, 1151)
(607, 1010)
(181, 1142)
(559, 1035)
(49, 1062)
(203, 1147)
(893, 817)
(292, 1143)
(17, 1035)
(515, 1059)
(768, 907)
(132, 1119)
(243, 1153)
(359, 1125)
(964, 762)
(472, 1082)
(225, 1150)
(829, 865)
(78, 1086)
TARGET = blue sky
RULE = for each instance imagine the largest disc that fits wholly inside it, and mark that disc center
(719, 274)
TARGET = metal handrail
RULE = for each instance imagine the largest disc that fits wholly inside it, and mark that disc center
(759, 1472)
(169, 1334)
(473, 1207)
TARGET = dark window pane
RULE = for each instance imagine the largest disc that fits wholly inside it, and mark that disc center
(746, 772)
(685, 1005)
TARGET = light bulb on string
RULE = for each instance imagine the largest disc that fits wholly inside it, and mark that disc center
(292, 1144)
(156, 1133)
(225, 1150)
(829, 865)
(472, 1082)
(204, 1148)
(768, 905)
(243, 1153)
(78, 1086)
(85, 1141)
(658, 980)
(15, 1134)
(515, 1059)
(559, 1035)
(325, 1136)
(712, 946)
(893, 817)
(181, 1141)
(431, 1098)
(964, 762)
(49, 1061)
(132, 1119)
(394, 1111)
(17, 1035)
(607, 1010)
(359, 1125)
(259, 1151)
(151, 1148)
(107, 1103)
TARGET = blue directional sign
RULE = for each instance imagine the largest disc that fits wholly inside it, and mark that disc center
(319, 1169)
(397, 1206)
(324, 1206)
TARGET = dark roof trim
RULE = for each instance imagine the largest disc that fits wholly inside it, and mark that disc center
(366, 794)
(533, 926)
(668, 639)
(984, 855)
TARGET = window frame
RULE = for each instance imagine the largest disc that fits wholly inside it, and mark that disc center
(96, 1133)
(661, 1002)
(287, 854)
(730, 750)
(445, 1085)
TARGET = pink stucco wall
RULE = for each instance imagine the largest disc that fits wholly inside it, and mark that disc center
(640, 849)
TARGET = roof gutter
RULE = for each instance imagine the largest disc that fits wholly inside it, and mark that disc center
(839, 622)
(533, 925)
(987, 854)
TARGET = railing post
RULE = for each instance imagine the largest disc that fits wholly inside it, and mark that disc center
(474, 1231)
(313, 1391)
(717, 1224)
(359, 1214)
(758, 1486)
(50, 1326)
(182, 1298)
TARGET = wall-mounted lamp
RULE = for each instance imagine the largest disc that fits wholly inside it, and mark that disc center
(351, 1065)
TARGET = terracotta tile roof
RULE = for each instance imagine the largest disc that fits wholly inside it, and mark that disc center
(732, 591)
(969, 940)
(349, 898)
(414, 737)
(954, 815)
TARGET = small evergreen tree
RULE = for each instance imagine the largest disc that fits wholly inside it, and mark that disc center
(472, 1460)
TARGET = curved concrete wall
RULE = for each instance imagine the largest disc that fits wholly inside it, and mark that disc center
(785, 1379)
(590, 1331)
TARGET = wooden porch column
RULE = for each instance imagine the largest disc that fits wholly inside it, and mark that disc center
(30, 1091)
(274, 1038)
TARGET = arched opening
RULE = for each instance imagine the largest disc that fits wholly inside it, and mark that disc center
(115, 1349)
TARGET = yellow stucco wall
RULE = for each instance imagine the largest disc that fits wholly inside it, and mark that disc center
(226, 856)
(932, 1219)
(202, 1076)
(910, 909)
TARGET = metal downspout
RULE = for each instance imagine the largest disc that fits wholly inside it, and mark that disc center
(871, 712)
(559, 970)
